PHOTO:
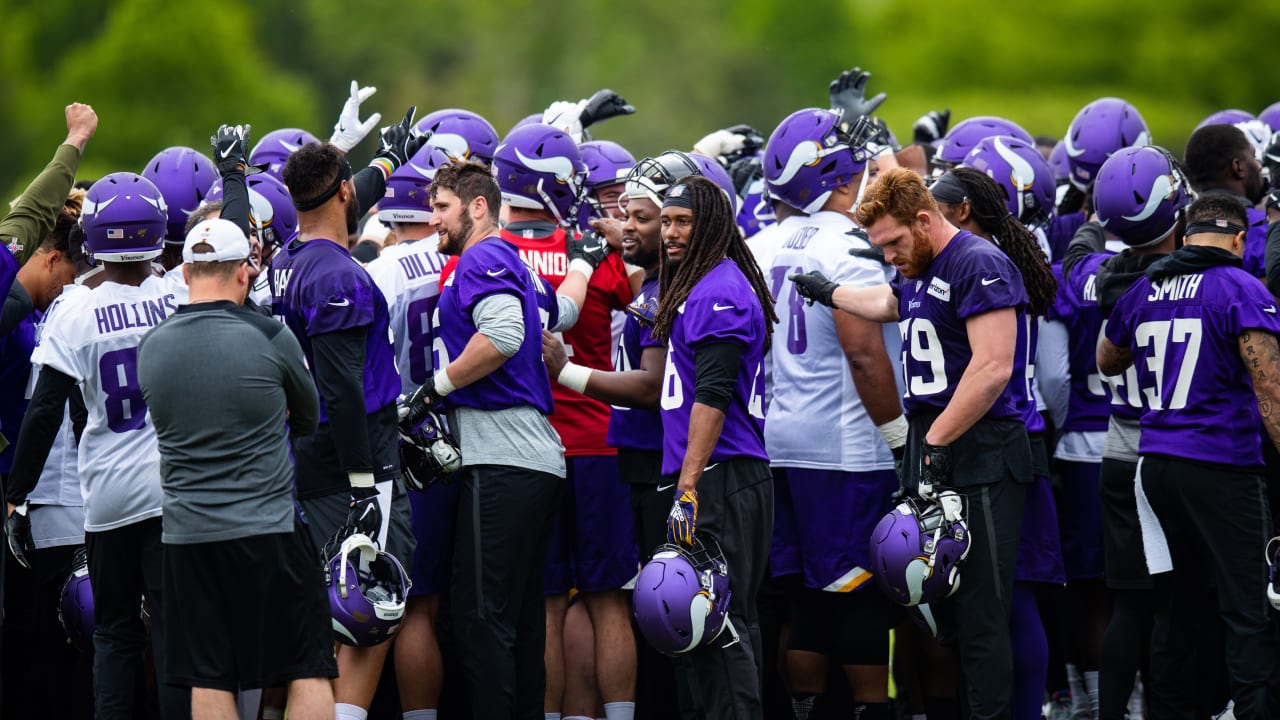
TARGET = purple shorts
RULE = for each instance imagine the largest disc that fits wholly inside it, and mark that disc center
(1080, 516)
(593, 544)
(1039, 550)
(784, 553)
(435, 514)
(832, 515)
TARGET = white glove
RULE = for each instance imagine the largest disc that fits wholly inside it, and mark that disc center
(720, 143)
(567, 116)
(349, 130)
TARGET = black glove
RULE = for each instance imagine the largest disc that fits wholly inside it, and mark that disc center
(743, 172)
(931, 126)
(849, 97)
(17, 530)
(813, 286)
(753, 142)
(364, 516)
(867, 253)
(590, 248)
(399, 142)
(1271, 159)
(899, 453)
(603, 105)
(230, 147)
(415, 407)
(936, 465)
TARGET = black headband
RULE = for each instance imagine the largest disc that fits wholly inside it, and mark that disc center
(678, 196)
(948, 189)
(1223, 227)
(344, 174)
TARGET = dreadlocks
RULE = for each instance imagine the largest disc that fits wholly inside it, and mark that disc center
(986, 203)
(714, 236)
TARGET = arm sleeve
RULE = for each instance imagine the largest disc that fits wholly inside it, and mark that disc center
(39, 430)
(340, 376)
(79, 413)
(371, 185)
(717, 366)
(568, 316)
(499, 318)
(235, 200)
(33, 215)
(299, 389)
(1273, 258)
(1052, 370)
(17, 306)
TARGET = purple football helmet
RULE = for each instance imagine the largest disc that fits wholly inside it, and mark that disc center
(1273, 572)
(653, 176)
(275, 148)
(1100, 129)
(682, 597)
(75, 604)
(711, 169)
(1139, 194)
(1021, 172)
(367, 592)
(539, 167)
(1271, 116)
(755, 210)
(429, 453)
(461, 134)
(1226, 117)
(124, 218)
(1058, 163)
(408, 196)
(272, 214)
(183, 177)
(966, 134)
(607, 163)
(918, 547)
(807, 157)
(534, 119)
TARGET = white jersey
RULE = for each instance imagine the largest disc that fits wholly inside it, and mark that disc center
(408, 274)
(763, 246)
(93, 337)
(816, 419)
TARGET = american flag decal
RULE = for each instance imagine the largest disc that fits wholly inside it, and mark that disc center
(115, 234)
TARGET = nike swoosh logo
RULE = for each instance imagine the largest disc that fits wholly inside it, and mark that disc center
(662, 488)
(491, 273)
(991, 281)
(345, 302)
(718, 307)
(226, 152)
(1271, 309)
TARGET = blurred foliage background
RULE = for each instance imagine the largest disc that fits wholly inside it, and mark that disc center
(162, 73)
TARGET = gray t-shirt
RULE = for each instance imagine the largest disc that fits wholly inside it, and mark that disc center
(218, 380)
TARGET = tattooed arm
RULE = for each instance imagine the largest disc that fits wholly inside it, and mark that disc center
(1113, 360)
(1261, 355)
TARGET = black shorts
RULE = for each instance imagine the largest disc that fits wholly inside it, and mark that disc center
(1123, 551)
(248, 613)
(325, 514)
(318, 470)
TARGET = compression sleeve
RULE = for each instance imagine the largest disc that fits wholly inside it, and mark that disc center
(499, 317)
(717, 366)
(339, 373)
(235, 200)
(39, 430)
(568, 314)
(371, 185)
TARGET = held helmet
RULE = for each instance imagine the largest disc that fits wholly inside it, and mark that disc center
(429, 453)
(75, 604)
(917, 549)
(682, 597)
(367, 592)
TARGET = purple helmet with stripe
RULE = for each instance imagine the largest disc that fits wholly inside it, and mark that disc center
(1100, 129)
(682, 597)
(275, 148)
(966, 134)
(1058, 163)
(461, 134)
(1271, 116)
(1230, 116)
(367, 592)
(124, 218)
(607, 163)
(75, 604)
(408, 196)
(916, 551)
(807, 157)
(271, 212)
(711, 169)
(539, 167)
(183, 177)
(1139, 194)
(1021, 172)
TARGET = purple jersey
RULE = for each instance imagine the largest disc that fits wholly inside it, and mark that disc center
(721, 308)
(1061, 229)
(1255, 242)
(1076, 307)
(969, 277)
(318, 288)
(1183, 331)
(635, 428)
(15, 371)
(490, 267)
(1024, 373)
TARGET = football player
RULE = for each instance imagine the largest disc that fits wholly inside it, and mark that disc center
(1220, 160)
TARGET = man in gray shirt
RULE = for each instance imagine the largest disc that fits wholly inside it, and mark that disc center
(224, 386)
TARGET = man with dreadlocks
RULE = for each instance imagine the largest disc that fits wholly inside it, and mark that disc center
(716, 316)
(960, 305)
(972, 201)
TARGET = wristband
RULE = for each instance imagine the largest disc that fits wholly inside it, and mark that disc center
(574, 377)
(894, 432)
(360, 479)
(581, 266)
(444, 385)
(384, 165)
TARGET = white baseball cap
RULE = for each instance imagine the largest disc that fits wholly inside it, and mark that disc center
(228, 242)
